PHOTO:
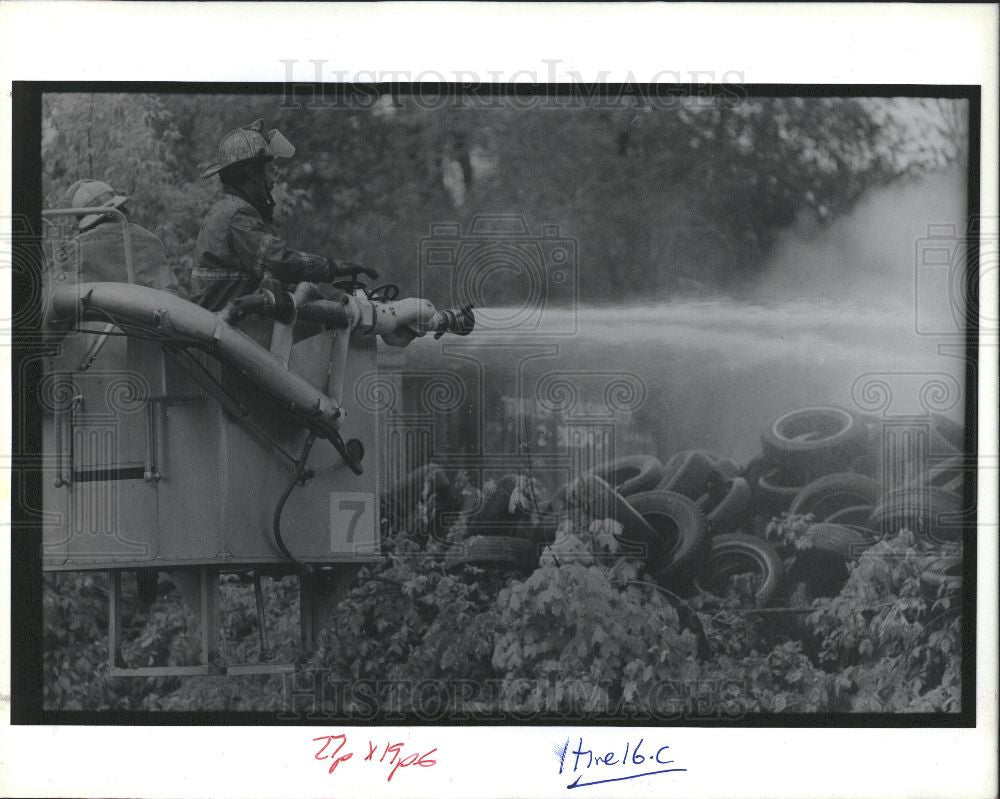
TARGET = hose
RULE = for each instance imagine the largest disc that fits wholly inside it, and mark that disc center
(298, 475)
(162, 314)
(259, 303)
(332, 313)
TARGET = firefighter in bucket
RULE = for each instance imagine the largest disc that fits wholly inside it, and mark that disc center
(237, 248)
(97, 250)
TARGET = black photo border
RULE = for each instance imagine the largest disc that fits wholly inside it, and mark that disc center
(26, 590)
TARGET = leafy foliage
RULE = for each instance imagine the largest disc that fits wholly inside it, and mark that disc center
(130, 142)
(571, 641)
(585, 634)
(407, 622)
(897, 651)
(788, 531)
(661, 198)
(75, 641)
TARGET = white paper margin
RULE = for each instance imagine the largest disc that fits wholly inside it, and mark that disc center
(809, 43)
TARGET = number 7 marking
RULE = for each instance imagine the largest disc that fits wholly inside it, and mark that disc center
(358, 506)
(352, 520)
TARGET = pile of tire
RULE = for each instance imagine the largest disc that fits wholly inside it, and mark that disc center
(702, 518)
(694, 520)
(804, 445)
(685, 519)
(698, 519)
(699, 508)
(933, 505)
(823, 463)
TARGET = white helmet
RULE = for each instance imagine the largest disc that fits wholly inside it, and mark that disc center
(89, 193)
(246, 144)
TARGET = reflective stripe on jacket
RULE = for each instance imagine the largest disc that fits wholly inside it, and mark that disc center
(236, 249)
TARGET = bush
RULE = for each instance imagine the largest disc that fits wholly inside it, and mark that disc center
(586, 634)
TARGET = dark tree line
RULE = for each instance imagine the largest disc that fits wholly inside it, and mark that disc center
(660, 199)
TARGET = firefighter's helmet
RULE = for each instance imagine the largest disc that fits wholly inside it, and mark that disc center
(248, 143)
(89, 193)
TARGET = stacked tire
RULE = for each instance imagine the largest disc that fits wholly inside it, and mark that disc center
(803, 445)
(820, 463)
(697, 520)
(686, 519)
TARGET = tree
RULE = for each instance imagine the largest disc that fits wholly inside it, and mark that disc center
(129, 141)
(661, 198)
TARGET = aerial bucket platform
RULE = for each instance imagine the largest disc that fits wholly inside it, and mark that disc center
(181, 440)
